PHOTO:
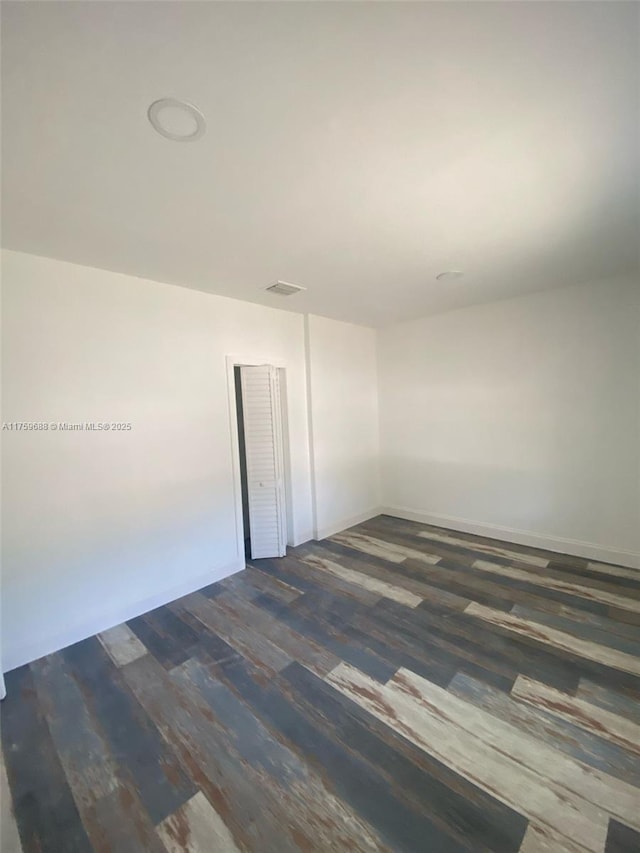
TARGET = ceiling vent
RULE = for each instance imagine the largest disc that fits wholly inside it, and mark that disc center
(283, 288)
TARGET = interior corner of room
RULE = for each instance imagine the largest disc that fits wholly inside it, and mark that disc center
(499, 397)
(517, 420)
(320, 444)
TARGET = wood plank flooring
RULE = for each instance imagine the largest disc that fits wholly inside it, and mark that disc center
(397, 687)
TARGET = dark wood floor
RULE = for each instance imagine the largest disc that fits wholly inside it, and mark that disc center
(397, 687)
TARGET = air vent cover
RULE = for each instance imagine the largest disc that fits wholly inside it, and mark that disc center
(283, 288)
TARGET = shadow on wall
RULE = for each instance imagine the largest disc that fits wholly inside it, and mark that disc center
(81, 580)
(521, 498)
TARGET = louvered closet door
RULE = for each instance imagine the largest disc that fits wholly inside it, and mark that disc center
(263, 443)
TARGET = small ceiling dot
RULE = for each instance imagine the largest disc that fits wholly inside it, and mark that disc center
(176, 120)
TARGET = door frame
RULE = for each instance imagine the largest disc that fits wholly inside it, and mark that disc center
(233, 361)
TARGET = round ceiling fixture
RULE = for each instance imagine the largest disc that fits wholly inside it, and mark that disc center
(176, 120)
(449, 275)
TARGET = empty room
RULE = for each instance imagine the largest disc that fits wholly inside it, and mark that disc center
(320, 427)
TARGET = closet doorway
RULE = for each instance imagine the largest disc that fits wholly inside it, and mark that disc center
(260, 460)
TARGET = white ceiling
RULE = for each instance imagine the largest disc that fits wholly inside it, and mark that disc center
(357, 149)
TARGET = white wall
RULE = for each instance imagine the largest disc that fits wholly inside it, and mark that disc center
(520, 419)
(99, 527)
(344, 418)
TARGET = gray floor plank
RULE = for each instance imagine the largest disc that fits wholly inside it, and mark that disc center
(398, 687)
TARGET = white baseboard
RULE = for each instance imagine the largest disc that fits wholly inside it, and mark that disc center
(344, 523)
(576, 547)
(40, 646)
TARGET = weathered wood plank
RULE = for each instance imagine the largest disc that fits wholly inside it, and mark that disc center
(608, 623)
(432, 653)
(357, 783)
(227, 623)
(610, 700)
(294, 645)
(131, 736)
(195, 736)
(541, 839)
(558, 639)
(595, 787)
(389, 526)
(212, 590)
(494, 550)
(621, 602)
(168, 626)
(368, 545)
(437, 548)
(196, 828)
(302, 795)
(609, 726)
(407, 575)
(283, 570)
(259, 582)
(84, 755)
(501, 591)
(563, 668)
(117, 823)
(332, 549)
(9, 838)
(626, 638)
(215, 747)
(380, 548)
(508, 781)
(612, 580)
(621, 838)
(210, 646)
(461, 808)
(491, 754)
(163, 648)
(479, 646)
(122, 645)
(465, 550)
(46, 813)
(573, 575)
(382, 588)
(316, 629)
(318, 581)
(363, 633)
(614, 571)
(104, 792)
(187, 733)
(561, 735)
(554, 665)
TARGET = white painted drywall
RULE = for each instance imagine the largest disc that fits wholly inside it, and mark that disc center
(357, 149)
(520, 419)
(344, 418)
(101, 526)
